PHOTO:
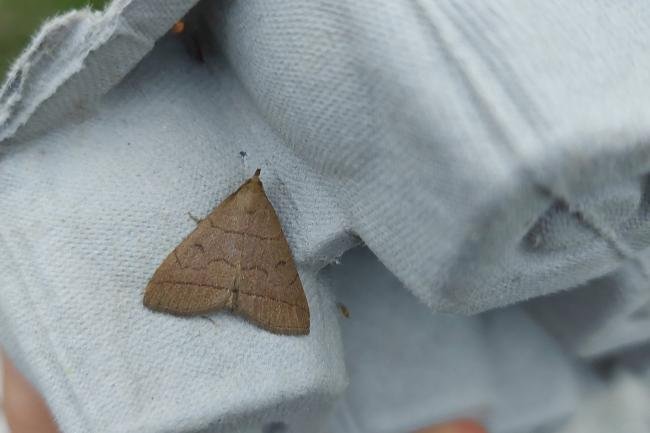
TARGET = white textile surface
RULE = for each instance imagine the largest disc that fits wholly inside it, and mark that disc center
(410, 368)
(607, 314)
(622, 405)
(89, 212)
(485, 152)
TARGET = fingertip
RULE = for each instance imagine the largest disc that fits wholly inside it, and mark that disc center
(24, 408)
(458, 426)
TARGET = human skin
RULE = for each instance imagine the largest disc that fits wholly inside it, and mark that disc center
(458, 426)
(26, 411)
(24, 408)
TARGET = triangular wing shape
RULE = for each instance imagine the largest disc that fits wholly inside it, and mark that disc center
(236, 259)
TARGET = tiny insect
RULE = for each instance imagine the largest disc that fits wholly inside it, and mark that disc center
(178, 27)
(189, 35)
(344, 310)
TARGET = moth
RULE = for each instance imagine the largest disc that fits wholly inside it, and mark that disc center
(237, 259)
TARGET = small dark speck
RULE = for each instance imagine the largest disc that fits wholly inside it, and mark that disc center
(193, 218)
(243, 154)
(128, 144)
(343, 309)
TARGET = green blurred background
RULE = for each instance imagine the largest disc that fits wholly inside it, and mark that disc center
(19, 19)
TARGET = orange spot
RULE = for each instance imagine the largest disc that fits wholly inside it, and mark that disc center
(459, 426)
(179, 27)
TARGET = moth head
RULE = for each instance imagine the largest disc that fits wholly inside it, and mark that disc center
(250, 191)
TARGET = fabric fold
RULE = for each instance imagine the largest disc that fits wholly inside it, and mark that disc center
(91, 209)
(76, 58)
(474, 148)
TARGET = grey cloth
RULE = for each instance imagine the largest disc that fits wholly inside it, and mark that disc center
(534, 383)
(622, 404)
(605, 315)
(88, 213)
(485, 153)
(635, 359)
(410, 368)
(76, 58)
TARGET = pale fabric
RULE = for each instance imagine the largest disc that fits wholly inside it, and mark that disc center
(605, 315)
(485, 153)
(410, 368)
(84, 235)
(622, 405)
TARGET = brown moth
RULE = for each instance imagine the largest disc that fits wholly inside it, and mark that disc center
(236, 259)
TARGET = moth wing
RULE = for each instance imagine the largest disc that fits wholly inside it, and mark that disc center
(237, 258)
(269, 291)
(276, 303)
(196, 278)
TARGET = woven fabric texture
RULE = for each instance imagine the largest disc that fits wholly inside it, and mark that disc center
(485, 153)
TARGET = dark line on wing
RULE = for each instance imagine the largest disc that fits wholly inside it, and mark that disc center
(256, 268)
(270, 298)
(178, 260)
(253, 235)
(187, 283)
(200, 268)
(294, 280)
